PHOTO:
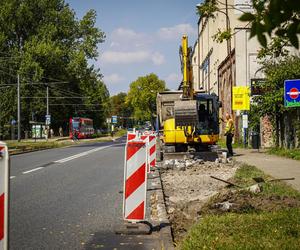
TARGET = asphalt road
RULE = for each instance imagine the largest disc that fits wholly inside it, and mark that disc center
(69, 198)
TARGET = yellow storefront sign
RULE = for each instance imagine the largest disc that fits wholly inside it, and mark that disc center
(240, 98)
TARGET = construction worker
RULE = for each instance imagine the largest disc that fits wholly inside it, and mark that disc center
(229, 133)
(60, 131)
(46, 133)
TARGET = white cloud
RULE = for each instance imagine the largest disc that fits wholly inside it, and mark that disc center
(173, 78)
(158, 58)
(176, 31)
(120, 57)
(113, 78)
(128, 38)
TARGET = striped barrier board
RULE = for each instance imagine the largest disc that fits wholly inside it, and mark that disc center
(152, 151)
(131, 136)
(4, 184)
(135, 181)
(145, 138)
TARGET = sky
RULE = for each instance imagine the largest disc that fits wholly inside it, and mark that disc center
(142, 37)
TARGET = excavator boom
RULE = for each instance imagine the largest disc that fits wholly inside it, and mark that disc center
(185, 110)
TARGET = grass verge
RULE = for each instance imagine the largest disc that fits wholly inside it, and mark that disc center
(267, 220)
(244, 177)
(222, 144)
(121, 132)
(289, 153)
(266, 230)
(27, 146)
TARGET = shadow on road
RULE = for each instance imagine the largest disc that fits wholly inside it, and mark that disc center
(110, 240)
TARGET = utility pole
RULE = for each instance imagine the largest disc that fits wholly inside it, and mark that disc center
(19, 110)
(227, 28)
(47, 100)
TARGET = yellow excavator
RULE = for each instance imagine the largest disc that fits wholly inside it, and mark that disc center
(188, 118)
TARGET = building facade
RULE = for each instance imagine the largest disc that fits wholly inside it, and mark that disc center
(233, 62)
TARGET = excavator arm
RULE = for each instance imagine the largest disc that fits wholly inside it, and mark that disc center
(185, 109)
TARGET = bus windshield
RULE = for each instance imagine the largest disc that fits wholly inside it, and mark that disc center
(75, 124)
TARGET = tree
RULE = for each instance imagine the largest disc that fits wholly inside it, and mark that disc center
(273, 17)
(121, 108)
(142, 96)
(271, 102)
(43, 41)
(207, 9)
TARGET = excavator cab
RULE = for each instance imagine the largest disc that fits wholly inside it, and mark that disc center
(207, 107)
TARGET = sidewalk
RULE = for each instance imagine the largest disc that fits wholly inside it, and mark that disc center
(277, 167)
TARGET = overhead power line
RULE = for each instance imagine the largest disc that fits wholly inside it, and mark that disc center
(74, 104)
(53, 97)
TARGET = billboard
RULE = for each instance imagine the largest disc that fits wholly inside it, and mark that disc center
(292, 93)
(240, 98)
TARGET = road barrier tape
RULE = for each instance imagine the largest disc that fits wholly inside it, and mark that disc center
(4, 184)
(135, 181)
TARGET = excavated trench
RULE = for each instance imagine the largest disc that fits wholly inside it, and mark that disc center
(188, 186)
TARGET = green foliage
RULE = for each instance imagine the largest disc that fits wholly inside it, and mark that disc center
(142, 96)
(275, 17)
(121, 108)
(275, 48)
(249, 229)
(43, 41)
(254, 118)
(289, 153)
(207, 8)
(120, 133)
(220, 36)
(266, 230)
(271, 102)
(244, 177)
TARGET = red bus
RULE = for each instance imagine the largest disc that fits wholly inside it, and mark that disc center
(83, 127)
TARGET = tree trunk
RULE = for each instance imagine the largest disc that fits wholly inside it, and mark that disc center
(277, 131)
(281, 124)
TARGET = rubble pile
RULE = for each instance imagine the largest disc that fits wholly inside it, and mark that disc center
(187, 186)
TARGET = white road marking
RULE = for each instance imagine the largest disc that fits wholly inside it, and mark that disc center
(12, 177)
(32, 170)
(84, 153)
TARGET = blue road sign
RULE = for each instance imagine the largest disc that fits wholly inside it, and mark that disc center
(48, 119)
(292, 93)
(114, 119)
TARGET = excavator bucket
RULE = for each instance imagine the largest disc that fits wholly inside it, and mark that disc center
(186, 113)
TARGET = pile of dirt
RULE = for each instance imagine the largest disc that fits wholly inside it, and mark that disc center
(187, 187)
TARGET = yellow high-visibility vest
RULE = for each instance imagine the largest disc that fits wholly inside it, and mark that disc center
(229, 127)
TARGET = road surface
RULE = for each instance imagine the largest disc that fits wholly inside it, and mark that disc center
(69, 198)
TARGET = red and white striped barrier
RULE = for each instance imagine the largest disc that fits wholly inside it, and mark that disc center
(131, 136)
(152, 151)
(145, 138)
(4, 182)
(135, 181)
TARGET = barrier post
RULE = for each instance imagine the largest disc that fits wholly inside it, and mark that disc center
(4, 192)
(152, 151)
(135, 181)
(145, 138)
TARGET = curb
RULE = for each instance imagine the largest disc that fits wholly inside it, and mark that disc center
(163, 221)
